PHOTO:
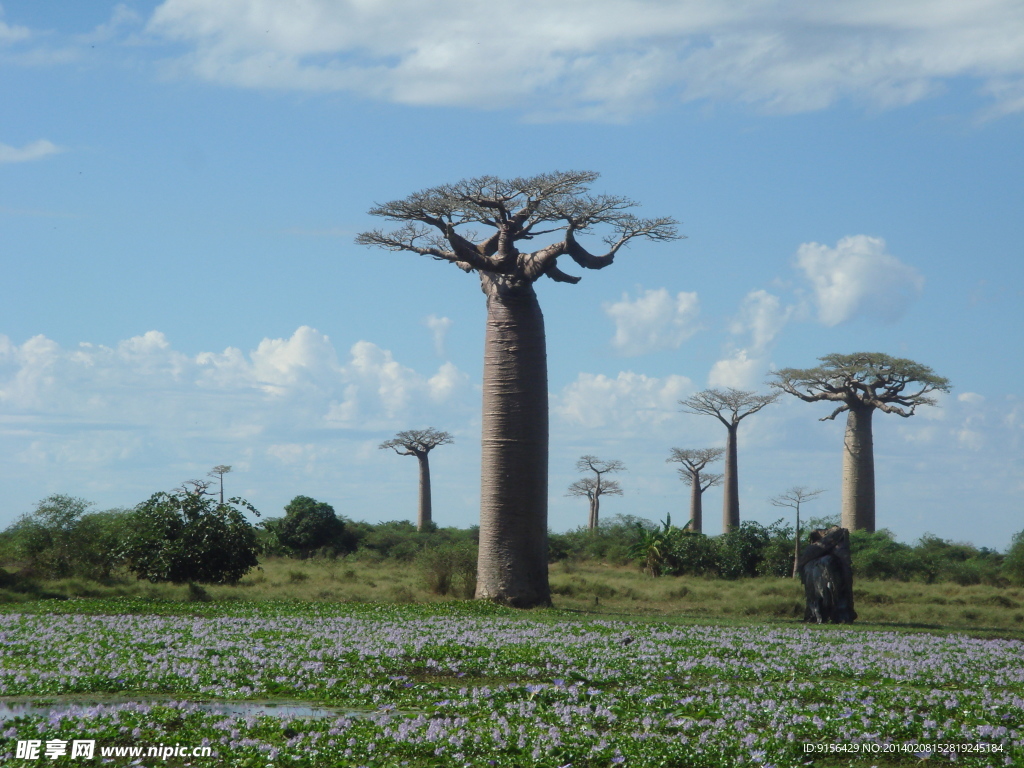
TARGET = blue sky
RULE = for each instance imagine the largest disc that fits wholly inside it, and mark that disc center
(181, 183)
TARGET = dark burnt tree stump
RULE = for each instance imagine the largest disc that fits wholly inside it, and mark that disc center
(825, 571)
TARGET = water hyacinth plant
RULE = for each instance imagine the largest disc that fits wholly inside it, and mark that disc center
(457, 685)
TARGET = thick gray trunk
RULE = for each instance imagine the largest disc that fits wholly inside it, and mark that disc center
(513, 562)
(595, 508)
(696, 506)
(425, 516)
(859, 471)
(731, 501)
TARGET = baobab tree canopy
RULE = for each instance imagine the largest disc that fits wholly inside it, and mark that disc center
(413, 442)
(439, 222)
(444, 222)
(861, 383)
(864, 379)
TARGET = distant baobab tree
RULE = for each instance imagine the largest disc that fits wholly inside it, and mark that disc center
(793, 498)
(440, 222)
(418, 443)
(862, 383)
(729, 406)
(597, 486)
(218, 472)
(693, 461)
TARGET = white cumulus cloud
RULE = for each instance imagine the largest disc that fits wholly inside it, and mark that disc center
(628, 402)
(653, 321)
(858, 278)
(738, 371)
(759, 321)
(143, 383)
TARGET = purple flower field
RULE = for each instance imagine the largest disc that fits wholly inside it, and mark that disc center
(460, 686)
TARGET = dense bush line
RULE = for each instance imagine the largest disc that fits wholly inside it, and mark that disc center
(186, 537)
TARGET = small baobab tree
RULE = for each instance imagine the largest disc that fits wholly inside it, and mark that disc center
(597, 486)
(444, 223)
(693, 461)
(218, 472)
(730, 406)
(793, 498)
(419, 443)
(862, 383)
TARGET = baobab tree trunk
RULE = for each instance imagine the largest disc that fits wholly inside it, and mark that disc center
(595, 508)
(859, 471)
(513, 563)
(696, 506)
(425, 516)
(731, 500)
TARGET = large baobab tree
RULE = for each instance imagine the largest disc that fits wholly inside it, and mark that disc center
(693, 461)
(730, 406)
(597, 486)
(793, 498)
(419, 443)
(862, 383)
(440, 222)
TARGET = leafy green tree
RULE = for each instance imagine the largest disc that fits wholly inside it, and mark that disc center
(61, 538)
(100, 537)
(46, 537)
(187, 536)
(1013, 565)
(309, 525)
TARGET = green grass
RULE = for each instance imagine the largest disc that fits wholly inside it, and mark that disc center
(588, 589)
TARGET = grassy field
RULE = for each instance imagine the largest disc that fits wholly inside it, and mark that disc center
(601, 590)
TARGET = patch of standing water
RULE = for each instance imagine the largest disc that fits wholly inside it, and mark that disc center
(36, 706)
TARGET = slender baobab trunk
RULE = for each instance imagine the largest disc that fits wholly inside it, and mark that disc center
(425, 516)
(731, 501)
(513, 562)
(696, 506)
(796, 544)
(595, 508)
(859, 471)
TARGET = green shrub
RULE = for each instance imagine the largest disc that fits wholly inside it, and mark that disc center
(450, 568)
(690, 554)
(1013, 564)
(612, 541)
(741, 550)
(60, 539)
